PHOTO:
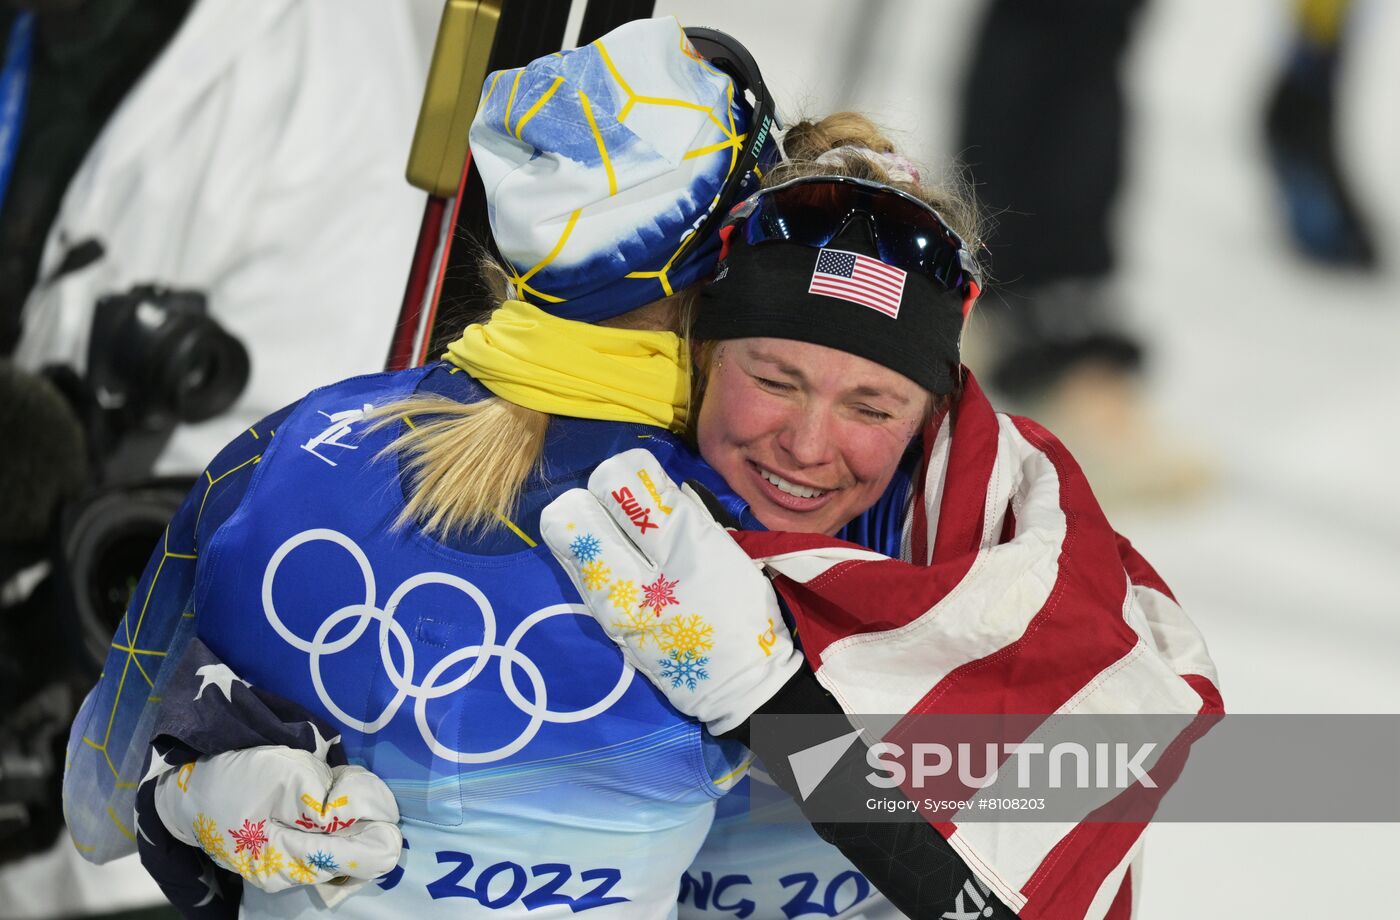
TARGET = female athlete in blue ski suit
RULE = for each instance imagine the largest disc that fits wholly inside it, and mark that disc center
(534, 773)
(559, 780)
(544, 782)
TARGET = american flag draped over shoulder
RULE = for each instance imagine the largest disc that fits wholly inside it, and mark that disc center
(1023, 600)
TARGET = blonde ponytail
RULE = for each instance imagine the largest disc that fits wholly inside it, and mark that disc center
(467, 463)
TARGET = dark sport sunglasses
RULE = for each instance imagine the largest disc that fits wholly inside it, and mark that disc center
(814, 210)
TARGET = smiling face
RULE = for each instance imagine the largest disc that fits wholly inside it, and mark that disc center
(808, 435)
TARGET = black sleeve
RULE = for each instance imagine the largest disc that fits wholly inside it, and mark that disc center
(909, 862)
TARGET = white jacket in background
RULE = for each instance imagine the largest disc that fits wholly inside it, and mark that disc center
(259, 160)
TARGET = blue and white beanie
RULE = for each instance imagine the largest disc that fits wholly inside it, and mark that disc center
(598, 161)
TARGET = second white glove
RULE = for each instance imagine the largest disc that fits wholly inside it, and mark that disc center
(281, 817)
(688, 607)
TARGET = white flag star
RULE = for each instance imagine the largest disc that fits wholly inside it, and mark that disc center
(211, 881)
(158, 766)
(323, 746)
(141, 832)
(221, 676)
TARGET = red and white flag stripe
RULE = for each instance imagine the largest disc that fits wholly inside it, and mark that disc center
(1042, 611)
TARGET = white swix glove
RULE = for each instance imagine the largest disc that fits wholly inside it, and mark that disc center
(688, 607)
(282, 817)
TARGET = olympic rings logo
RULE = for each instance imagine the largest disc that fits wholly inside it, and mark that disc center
(318, 647)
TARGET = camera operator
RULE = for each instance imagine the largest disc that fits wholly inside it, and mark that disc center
(40, 679)
(79, 515)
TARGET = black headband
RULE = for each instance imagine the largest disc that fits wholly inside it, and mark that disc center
(766, 291)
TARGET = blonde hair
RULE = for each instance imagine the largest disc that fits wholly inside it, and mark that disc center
(467, 463)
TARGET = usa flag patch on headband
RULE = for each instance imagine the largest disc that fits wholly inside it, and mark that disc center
(858, 279)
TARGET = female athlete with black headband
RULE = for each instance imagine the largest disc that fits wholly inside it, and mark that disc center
(831, 339)
(828, 338)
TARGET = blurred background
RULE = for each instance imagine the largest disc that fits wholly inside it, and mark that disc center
(1194, 235)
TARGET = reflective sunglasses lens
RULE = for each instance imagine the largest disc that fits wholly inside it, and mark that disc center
(907, 235)
(809, 220)
(913, 238)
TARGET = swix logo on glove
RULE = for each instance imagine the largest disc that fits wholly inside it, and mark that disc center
(636, 513)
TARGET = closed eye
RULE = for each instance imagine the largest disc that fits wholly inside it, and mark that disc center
(776, 386)
(875, 415)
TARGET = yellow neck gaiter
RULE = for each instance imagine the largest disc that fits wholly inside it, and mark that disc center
(564, 367)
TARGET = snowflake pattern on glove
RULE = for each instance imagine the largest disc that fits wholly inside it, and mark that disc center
(687, 634)
(684, 668)
(300, 872)
(323, 861)
(251, 837)
(623, 594)
(271, 861)
(659, 594)
(595, 574)
(639, 627)
(586, 547)
(206, 831)
(243, 864)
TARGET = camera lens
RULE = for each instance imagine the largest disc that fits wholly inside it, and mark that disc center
(197, 376)
(200, 368)
(106, 543)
